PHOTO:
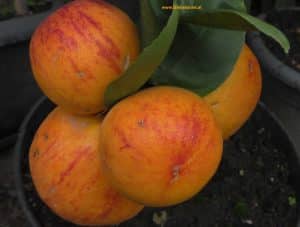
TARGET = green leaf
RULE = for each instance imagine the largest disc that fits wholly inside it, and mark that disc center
(150, 26)
(157, 8)
(236, 20)
(200, 58)
(141, 70)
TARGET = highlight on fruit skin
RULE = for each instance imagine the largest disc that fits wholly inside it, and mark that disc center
(66, 171)
(160, 146)
(80, 49)
(234, 101)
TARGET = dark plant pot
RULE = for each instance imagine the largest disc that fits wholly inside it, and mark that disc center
(187, 214)
(40, 7)
(269, 62)
(281, 82)
(258, 6)
(18, 90)
(18, 29)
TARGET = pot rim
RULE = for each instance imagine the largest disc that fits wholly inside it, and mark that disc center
(18, 156)
(270, 62)
(18, 167)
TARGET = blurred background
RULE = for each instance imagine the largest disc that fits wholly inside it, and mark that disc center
(18, 90)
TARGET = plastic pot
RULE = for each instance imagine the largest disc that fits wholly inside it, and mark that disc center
(269, 62)
(25, 134)
(279, 137)
(18, 29)
(18, 90)
(281, 91)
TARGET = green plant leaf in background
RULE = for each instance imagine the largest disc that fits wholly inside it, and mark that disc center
(141, 70)
(156, 6)
(236, 20)
(149, 24)
(203, 55)
(201, 58)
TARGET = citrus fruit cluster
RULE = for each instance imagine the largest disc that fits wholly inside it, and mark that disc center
(157, 147)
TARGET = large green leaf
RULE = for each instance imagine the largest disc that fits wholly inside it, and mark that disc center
(236, 20)
(225, 14)
(141, 70)
(200, 59)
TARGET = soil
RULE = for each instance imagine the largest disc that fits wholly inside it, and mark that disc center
(11, 214)
(251, 188)
(288, 23)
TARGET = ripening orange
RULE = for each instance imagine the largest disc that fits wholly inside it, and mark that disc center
(80, 49)
(160, 146)
(66, 171)
(235, 100)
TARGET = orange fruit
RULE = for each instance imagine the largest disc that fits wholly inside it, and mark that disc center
(160, 146)
(66, 170)
(80, 49)
(235, 100)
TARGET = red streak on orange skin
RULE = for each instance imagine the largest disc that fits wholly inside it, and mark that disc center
(113, 48)
(74, 66)
(190, 131)
(106, 54)
(51, 27)
(125, 142)
(112, 198)
(91, 182)
(80, 154)
(90, 20)
(47, 153)
(86, 73)
(102, 49)
(251, 68)
(68, 41)
(110, 54)
(43, 36)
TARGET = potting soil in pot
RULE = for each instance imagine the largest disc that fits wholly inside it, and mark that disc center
(289, 23)
(251, 188)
